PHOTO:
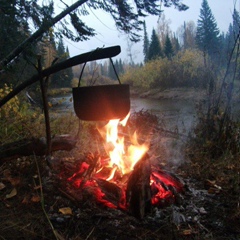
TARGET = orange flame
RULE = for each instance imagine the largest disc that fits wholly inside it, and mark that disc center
(122, 157)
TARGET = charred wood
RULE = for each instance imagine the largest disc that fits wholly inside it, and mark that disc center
(138, 194)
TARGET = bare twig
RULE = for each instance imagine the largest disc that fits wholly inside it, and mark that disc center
(45, 107)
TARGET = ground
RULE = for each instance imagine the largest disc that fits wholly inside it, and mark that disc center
(173, 93)
(199, 214)
(35, 205)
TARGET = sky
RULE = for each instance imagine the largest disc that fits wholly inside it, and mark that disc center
(108, 35)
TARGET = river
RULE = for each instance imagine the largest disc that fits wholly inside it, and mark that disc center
(173, 114)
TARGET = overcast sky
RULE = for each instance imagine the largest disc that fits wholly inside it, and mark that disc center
(109, 36)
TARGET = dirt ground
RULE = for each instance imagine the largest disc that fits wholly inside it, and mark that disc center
(26, 213)
(35, 205)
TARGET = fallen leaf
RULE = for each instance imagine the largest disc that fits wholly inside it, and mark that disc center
(14, 181)
(12, 193)
(37, 187)
(187, 232)
(65, 211)
(25, 200)
(35, 198)
(213, 190)
(2, 186)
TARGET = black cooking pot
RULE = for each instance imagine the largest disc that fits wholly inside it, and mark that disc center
(101, 103)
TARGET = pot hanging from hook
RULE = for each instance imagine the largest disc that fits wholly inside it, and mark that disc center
(102, 102)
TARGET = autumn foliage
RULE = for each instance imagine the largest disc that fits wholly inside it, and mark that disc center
(185, 69)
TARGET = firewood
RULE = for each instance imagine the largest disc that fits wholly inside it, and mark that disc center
(138, 189)
(35, 146)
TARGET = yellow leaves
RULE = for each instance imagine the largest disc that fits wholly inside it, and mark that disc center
(13, 193)
(65, 210)
(2, 186)
(184, 70)
(35, 198)
(12, 106)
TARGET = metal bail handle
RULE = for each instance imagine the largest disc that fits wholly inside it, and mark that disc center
(115, 71)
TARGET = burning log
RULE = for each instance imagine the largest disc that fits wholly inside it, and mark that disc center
(138, 194)
(125, 178)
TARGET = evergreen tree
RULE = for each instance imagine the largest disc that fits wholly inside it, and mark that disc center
(111, 73)
(145, 42)
(176, 45)
(207, 36)
(236, 23)
(116, 65)
(155, 50)
(69, 71)
(121, 69)
(168, 48)
(233, 31)
(64, 77)
(127, 15)
(13, 30)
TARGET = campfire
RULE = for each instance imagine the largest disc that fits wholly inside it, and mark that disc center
(125, 177)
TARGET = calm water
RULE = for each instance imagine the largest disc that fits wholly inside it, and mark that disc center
(172, 113)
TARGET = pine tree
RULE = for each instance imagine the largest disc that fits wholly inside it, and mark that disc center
(207, 36)
(14, 30)
(145, 42)
(155, 50)
(121, 69)
(176, 44)
(69, 71)
(236, 23)
(111, 73)
(233, 30)
(168, 48)
(64, 77)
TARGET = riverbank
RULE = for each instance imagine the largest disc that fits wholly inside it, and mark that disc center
(172, 93)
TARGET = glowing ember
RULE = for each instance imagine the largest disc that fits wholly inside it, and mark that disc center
(107, 179)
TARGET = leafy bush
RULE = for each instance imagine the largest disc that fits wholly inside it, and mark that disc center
(186, 69)
(11, 107)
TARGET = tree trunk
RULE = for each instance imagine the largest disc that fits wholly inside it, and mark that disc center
(35, 146)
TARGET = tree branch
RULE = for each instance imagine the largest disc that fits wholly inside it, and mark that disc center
(99, 53)
(44, 27)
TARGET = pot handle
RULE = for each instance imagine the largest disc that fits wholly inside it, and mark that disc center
(115, 71)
